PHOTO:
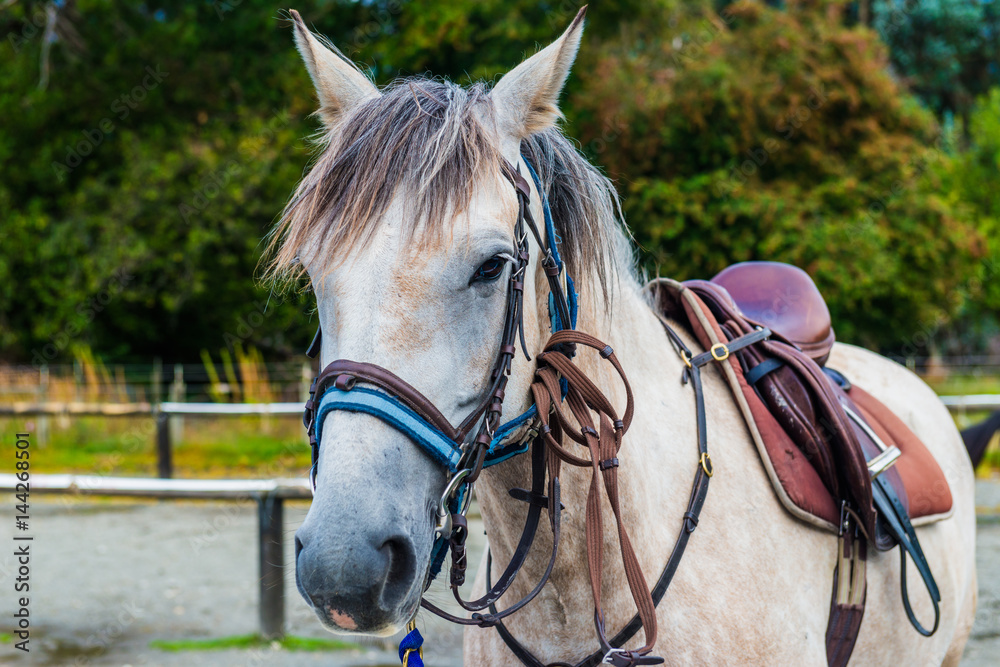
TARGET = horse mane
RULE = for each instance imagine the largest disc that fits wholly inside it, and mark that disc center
(429, 142)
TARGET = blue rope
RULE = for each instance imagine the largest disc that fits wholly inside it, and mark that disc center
(411, 642)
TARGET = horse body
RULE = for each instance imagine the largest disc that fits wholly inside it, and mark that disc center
(754, 585)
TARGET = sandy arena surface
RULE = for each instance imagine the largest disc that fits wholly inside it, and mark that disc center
(109, 577)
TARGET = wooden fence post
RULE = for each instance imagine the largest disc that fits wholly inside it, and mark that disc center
(156, 388)
(305, 382)
(164, 455)
(270, 511)
(177, 394)
(43, 395)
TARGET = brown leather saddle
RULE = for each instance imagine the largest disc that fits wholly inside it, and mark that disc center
(784, 299)
(837, 457)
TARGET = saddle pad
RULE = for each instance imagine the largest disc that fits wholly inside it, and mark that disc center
(795, 481)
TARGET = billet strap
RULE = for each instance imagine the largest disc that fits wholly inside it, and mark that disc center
(850, 589)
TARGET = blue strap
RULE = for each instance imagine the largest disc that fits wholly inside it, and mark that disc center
(550, 232)
(550, 227)
(411, 642)
(389, 409)
(754, 375)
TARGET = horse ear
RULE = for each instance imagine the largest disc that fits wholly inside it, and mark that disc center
(340, 85)
(527, 97)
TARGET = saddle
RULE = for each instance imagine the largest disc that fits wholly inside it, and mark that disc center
(837, 458)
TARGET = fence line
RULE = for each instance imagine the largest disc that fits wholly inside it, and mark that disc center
(269, 494)
(164, 412)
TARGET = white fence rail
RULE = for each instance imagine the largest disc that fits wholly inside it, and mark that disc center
(269, 494)
(161, 412)
(972, 402)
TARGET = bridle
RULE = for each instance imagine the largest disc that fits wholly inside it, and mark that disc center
(367, 388)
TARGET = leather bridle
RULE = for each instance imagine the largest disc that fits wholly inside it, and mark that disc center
(370, 389)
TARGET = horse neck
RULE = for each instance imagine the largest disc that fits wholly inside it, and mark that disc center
(650, 482)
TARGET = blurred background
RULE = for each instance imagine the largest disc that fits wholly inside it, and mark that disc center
(146, 148)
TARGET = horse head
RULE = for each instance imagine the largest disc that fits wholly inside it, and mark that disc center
(406, 228)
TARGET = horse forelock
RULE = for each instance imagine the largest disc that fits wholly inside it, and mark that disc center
(429, 143)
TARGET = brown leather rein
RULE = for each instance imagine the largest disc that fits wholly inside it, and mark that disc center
(558, 383)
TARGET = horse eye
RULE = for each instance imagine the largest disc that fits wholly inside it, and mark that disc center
(490, 270)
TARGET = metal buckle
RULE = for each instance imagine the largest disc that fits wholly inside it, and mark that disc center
(443, 525)
(706, 464)
(609, 656)
(411, 625)
(884, 461)
(686, 356)
(724, 354)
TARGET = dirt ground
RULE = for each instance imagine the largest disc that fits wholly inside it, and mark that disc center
(108, 578)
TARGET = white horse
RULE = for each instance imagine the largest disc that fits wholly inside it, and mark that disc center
(403, 226)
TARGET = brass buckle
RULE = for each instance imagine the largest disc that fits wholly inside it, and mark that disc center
(706, 464)
(411, 625)
(720, 356)
(686, 356)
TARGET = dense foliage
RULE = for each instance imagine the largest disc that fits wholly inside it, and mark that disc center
(758, 134)
(946, 50)
(141, 172)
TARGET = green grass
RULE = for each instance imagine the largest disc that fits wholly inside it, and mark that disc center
(5, 638)
(289, 643)
(963, 385)
(208, 447)
(251, 446)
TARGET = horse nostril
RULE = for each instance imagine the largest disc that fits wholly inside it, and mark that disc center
(401, 570)
(298, 548)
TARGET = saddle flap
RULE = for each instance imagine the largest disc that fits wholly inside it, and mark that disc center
(785, 299)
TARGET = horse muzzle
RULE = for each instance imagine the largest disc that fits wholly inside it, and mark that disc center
(365, 584)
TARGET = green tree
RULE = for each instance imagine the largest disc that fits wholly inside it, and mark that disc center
(763, 134)
(947, 51)
(139, 178)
